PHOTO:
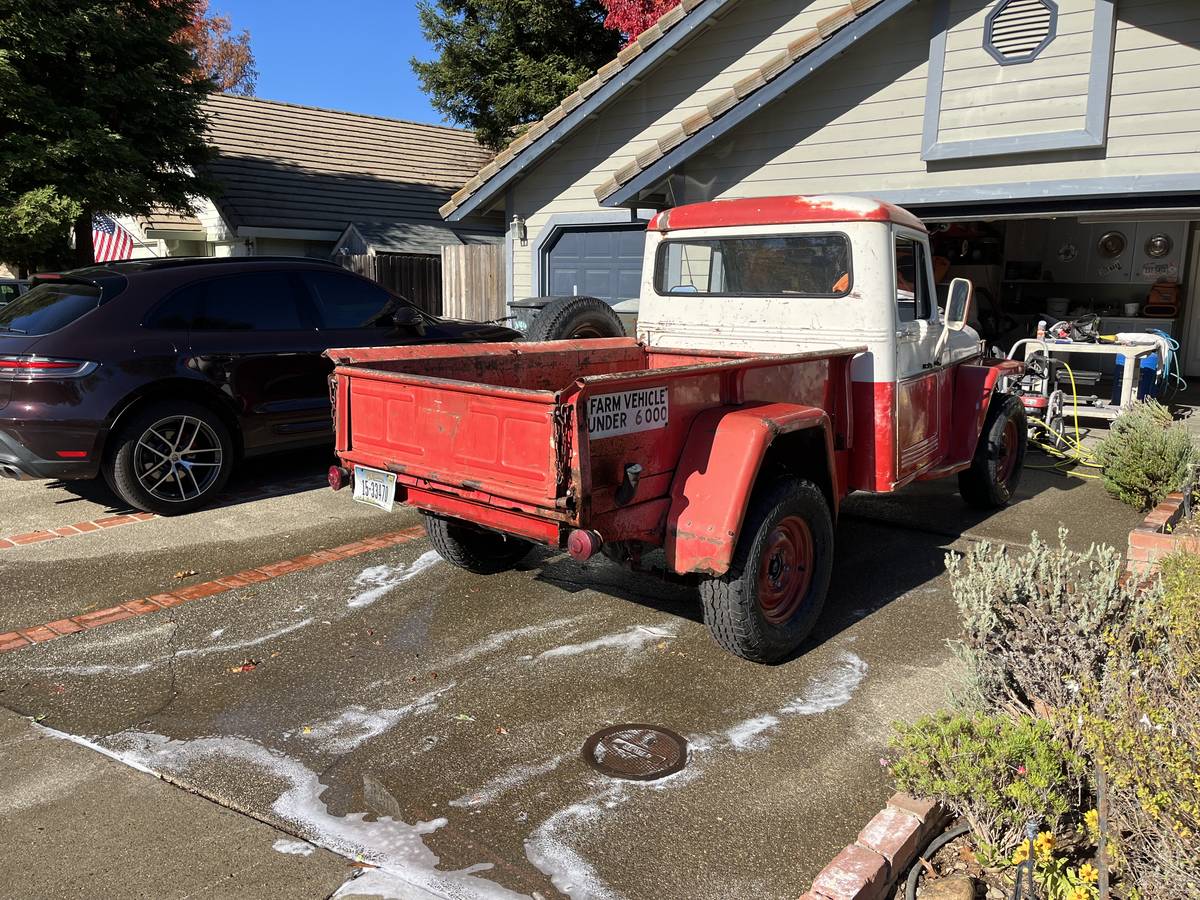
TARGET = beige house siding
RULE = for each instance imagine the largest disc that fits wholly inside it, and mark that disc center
(708, 66)
(981, 99)
(856, 125)
(805, 144)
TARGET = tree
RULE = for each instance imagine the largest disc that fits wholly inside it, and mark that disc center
(632, 17)
(34, 232)
(504, 63)
(100, 109)
(222, 56)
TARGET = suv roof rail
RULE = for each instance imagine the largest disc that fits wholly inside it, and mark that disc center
(171, 262)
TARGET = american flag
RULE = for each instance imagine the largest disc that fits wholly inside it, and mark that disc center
(110, 240)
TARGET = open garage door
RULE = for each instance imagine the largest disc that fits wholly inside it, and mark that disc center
(596, 262)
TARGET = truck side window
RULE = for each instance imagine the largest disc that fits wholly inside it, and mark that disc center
(912, 288)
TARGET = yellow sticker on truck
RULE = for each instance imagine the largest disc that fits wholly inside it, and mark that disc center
(628, 412)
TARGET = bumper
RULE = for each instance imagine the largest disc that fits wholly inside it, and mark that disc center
(19, 462)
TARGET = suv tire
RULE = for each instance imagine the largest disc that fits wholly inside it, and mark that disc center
(171, 458)
(575, 318)
(768, 602)
(474, 549)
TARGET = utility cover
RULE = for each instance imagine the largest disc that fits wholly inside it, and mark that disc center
(636, 752)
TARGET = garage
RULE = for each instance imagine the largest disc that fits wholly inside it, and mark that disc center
(595, 262)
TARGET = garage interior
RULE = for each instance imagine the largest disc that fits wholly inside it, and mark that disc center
(1133, 272)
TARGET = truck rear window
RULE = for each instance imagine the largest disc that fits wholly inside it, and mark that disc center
(806, 265)
(48, 307)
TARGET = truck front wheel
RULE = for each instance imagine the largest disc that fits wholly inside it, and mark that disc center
(770, 599)
(473, 549)
(999, 457)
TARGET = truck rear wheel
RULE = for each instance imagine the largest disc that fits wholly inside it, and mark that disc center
(575, 318)
(996, 468)
(474, 549)
(770, 599)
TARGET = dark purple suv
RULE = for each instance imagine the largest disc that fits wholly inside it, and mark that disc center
(161, 374)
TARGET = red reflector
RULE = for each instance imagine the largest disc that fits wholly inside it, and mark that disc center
(72, 454)
(338, 477)
(23, 364)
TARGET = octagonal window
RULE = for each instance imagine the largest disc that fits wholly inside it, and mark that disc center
(1018, 30)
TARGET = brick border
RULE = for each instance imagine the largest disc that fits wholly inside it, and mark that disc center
(38, 634)
(885, 849)
(277, 489)
(1153, 540)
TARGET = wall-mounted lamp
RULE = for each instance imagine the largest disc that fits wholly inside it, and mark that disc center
(249, 247)
(519, 230)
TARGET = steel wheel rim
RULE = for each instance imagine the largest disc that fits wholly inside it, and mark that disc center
(1006, 454)
(785, 570)
(178, 459)
(586, 331)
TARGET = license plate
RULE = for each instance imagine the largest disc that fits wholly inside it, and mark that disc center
(374, 487)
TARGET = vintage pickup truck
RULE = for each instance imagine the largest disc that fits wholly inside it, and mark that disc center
(790, 350)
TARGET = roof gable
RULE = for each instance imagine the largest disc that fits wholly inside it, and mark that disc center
(673, 28)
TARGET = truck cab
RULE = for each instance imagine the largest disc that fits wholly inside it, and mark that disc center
(782, 274)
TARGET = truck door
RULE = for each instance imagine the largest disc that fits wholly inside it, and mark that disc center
(918, 385)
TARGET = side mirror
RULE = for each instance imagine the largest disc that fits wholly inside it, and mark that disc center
(409, 317)
(958, 303)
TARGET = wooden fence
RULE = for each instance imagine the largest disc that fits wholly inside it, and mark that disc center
(473, 282)
(418, 278)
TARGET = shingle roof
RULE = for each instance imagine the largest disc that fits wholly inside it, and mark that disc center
(743, 90)
(162, 219)
(419, 237)
(287, 166)
(666, 24)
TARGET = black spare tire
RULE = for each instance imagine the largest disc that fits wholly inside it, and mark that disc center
(575, 318)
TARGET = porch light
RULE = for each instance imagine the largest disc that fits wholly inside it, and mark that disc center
(519, 230)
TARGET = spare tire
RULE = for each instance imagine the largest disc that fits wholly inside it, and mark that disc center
(575, 318)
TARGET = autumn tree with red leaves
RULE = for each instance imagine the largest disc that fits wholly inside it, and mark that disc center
(632, 17)
(221, 55)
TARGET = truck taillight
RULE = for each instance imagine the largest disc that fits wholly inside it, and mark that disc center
(27, 368)
(339, 477)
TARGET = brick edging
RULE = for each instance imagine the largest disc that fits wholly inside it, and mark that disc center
(256, 492)
(1152, 540)
(37, 634)
(869, 868)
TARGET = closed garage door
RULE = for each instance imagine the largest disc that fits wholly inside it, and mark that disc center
(594, 262)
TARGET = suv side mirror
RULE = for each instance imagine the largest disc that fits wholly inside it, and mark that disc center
(958, 303)
(409, 317)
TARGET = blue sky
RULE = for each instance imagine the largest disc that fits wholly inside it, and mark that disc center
(351, 55)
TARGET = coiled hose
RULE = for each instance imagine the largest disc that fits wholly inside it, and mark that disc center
(914, 874)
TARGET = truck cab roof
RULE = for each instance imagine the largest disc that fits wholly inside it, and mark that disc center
(794, 209)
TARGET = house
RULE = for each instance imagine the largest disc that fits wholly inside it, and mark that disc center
(302, 181)
(1051, 145)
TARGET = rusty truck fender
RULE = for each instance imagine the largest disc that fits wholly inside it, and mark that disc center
(973, 388)
(716, 475)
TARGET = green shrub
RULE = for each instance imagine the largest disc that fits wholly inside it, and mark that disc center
(1142, 723)
(996, 772)
(1034, 625)
(1146, 455)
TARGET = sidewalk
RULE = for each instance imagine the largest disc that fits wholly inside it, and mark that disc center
(75, 823)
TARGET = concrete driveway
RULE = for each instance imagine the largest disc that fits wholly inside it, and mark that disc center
(426, 724)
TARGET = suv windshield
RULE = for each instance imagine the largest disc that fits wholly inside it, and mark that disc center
(812, 265)
(48, 307)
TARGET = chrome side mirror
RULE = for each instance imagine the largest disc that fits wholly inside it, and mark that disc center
(958, 308)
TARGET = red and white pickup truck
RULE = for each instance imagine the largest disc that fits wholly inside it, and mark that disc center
(790, 350)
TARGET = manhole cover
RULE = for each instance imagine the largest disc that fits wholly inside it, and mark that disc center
(636, 752)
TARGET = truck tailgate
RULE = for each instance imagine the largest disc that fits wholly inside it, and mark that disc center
(499, 442)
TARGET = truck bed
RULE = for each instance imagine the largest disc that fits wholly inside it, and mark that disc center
(544, 432)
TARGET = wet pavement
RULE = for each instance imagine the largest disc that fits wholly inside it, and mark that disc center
(427, 723)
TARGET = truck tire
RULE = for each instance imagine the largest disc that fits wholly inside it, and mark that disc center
(171, 458)
(768, 602)
(474, 549)
(995, 470)
(575, 318)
